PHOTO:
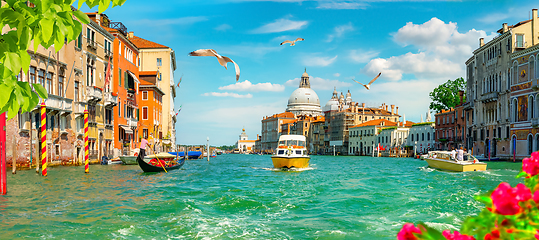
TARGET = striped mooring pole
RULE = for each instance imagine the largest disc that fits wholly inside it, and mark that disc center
(3, 176)
(43, 140)
(86, 161)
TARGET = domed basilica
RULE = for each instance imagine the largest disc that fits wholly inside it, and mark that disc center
(304, 100)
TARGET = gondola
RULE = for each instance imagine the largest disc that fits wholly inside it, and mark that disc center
(146, 167)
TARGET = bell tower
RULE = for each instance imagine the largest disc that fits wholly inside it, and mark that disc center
(304, 82)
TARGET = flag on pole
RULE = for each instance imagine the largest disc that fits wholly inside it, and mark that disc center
(179, 81)
(107, 77)
(179, 110)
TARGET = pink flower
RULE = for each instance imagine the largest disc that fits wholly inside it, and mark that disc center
(406, 233)
(536, 197)
(531, 165)
(456, 236)
(505, 198)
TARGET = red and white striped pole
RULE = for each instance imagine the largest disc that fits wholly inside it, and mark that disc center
(3, 176)
(86, 161)
(43, 140)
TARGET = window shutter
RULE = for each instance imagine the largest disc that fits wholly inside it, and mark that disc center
(125, 80)
(120, 77)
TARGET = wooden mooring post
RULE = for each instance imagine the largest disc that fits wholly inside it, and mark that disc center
(14, 158)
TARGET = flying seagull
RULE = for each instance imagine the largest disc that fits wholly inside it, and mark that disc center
(292, 43)
(222, 59)
(368, 86)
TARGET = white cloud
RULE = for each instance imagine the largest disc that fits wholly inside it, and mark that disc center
(223, 27)
(339, 31)
(259, 87)
(318, 83)
(249, 50)
(281, 25)
(336, 74)
(361, 56)
(315, 61)
(227, 94)
(442, 51)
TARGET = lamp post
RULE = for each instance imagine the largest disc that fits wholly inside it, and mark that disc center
(208, 147)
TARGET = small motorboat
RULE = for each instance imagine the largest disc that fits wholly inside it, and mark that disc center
(190, 154)
(443, 160)
(160, 162)
(129, 160)
(291, 152)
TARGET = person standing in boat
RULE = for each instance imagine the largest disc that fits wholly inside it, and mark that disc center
(460, 154)
(143, 144)
(453, 153)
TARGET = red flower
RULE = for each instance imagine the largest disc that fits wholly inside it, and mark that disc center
(456, 236)
(406, 233)
(493, 235)
(505, 198)
(531, 165)
(536, 197)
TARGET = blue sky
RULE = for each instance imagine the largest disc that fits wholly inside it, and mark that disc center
(417, 45)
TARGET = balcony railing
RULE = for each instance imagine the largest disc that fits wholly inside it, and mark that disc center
(108, 53)
(94, 94)
(535, 84)
(489, 97)
(132, 122)
(110, 100)
(78, 107)
(91, 44)
(54, 102)
(68, 104)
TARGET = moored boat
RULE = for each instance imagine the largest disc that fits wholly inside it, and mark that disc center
(129, 160)
(190, 154)
(443, 160)
(291, 152)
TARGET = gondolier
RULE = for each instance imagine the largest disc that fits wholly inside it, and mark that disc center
(143, 144)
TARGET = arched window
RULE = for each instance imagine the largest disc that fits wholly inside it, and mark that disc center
(531, 108)
(531, 65)
(422, 136)
(530, 144)
(515, 110)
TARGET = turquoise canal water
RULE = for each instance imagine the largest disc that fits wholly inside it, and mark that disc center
(242, 197)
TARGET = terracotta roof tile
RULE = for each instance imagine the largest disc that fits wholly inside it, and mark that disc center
(143, 43)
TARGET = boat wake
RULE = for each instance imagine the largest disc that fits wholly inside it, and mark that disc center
(286, 169)
(426, 169)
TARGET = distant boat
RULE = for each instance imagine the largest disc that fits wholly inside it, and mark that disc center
(190, 154)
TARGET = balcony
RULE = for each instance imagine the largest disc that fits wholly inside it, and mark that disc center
(132, 122)
(54, 102)
(94, 94)
(535, 122)
(68, 105)
(91, 44)
(110, 100)
(78, 107)
(489, 97)
(108, 54)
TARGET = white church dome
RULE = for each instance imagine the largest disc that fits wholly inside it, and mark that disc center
(304, 100)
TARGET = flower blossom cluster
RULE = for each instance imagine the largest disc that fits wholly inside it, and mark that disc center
(510, 213)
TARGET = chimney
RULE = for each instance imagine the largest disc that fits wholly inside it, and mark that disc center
(481, 42)
(397, 111)
(130, 35)
(461, 96)
(504, 28)
(392, 108)
(534, 28)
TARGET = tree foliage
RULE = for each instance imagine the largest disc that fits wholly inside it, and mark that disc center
(446, 95)
(47, 23)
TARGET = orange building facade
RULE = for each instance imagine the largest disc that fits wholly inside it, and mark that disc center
(150, 98)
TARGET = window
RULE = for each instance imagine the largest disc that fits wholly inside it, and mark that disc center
(145, 133)
(144, 113)
(49, 83)
(61, 86)
(23, 118)
(41, 77)
(144, 95)
(32, 75)
(119, 108)
(520, 41)
(79, 41)
(159, 62)
(120, 77)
